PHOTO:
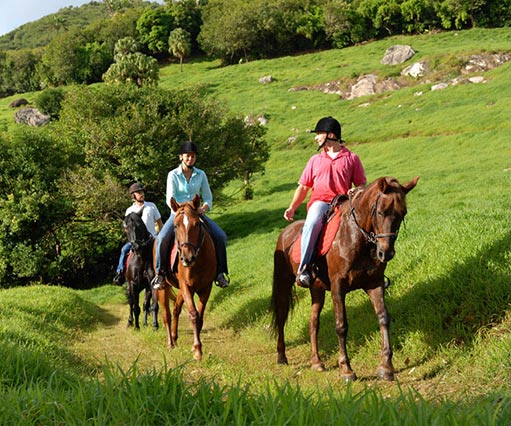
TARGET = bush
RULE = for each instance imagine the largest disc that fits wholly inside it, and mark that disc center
(49, 102)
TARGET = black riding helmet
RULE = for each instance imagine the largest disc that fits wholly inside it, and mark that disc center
(329, 125)
(187, 147)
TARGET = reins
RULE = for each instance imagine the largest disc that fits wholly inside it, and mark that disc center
(371, 236)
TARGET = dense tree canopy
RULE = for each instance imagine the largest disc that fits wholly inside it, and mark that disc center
(64, 186)
(79, 48)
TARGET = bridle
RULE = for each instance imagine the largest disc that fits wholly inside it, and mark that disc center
(371, 236)
(136, 243)
(195, 247)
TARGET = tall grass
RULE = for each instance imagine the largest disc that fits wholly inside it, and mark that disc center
(140, 398)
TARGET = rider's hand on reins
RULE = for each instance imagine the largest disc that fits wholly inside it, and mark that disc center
(289, 215)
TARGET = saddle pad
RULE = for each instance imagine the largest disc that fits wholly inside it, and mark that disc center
(128, 258)
(325, 239)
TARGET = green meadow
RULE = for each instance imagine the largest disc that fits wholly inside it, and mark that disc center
(68, 358)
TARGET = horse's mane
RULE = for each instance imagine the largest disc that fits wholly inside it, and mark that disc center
(132, 222)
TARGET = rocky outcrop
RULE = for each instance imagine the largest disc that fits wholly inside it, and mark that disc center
(31, 116)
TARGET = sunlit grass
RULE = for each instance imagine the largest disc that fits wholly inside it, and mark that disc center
(450, 297)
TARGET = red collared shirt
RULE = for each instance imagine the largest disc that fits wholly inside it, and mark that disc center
(329, 177)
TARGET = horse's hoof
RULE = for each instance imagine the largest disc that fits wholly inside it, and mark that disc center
(385, 374)
(282, 360)
(318, 367)
(351, 377)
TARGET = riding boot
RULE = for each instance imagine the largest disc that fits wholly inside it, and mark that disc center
(222, 280)
(304, 277)
(119, 278)
(158, 282)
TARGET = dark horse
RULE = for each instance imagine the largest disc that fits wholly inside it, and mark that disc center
(195, 272)
(364, 243)
(139, 270)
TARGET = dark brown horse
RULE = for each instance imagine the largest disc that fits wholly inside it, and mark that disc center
(195, 272)
(139, 270)
(363, 244)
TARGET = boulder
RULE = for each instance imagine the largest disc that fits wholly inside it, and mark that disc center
(415, 70)
(266, 79)
(31, 116)
(18, 102)
(397, 54)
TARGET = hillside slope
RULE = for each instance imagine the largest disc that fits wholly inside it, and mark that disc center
(450, 298)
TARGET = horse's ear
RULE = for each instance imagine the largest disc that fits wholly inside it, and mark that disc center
(174, 204)
(141, 211)
(196, 201)
(381, 183)
(410, 185)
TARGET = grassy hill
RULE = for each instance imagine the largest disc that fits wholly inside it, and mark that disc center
(40, 32)
(451, 278)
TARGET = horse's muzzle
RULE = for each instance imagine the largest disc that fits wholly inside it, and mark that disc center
(385, 254)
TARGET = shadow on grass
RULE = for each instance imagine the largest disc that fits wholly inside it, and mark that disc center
(264, 221)
(450, 309)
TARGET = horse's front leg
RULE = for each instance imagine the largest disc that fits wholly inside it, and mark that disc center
(201, 306)
(130, 304)
(195, 320)
(135, 308)
(377, 297)
(317, 302)
(178, 306)
(163, 299)
(154, 308)
(147, 305)
(341, 328)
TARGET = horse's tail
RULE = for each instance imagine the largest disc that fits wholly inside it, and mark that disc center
(282, 300)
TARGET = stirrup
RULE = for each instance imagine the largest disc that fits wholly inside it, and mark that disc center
(158, 282)
(222, 280)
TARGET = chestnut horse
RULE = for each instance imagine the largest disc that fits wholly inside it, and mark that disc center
(139, 270)
(195, 272)
(364, 242)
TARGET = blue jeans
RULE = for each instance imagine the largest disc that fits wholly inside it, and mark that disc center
(122, 258)
(311, 231)
(165, 241)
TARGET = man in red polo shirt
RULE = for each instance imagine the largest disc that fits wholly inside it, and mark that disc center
(331, 172)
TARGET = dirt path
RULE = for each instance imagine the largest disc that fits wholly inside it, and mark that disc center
(232, 358)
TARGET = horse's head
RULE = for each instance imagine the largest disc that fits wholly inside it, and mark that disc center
(189, 229)
(136, 231)
(385, 202)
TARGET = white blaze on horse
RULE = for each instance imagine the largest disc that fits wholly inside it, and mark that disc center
(195, 273)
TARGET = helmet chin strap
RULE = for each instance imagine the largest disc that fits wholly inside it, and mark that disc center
(327, 139)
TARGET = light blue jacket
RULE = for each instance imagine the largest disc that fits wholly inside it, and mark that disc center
(183, 191)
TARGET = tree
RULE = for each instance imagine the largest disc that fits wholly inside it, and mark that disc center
(154, 27)
(237, 29)
(129, 134)
(18, 71)
(32, 213)
(73, 57)
(131, 66)
(187, 15)
(180, 45)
